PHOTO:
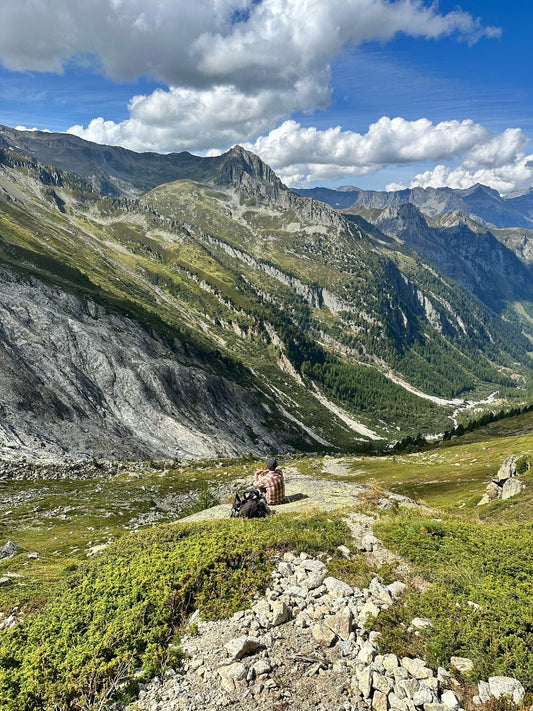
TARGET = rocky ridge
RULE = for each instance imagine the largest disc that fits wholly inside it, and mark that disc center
(308, 643)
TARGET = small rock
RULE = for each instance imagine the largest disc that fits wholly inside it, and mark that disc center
(364, 679)
(416, 667)
(324, 635)
(341, 623)
(379, 701)
(262, 666)
(397, 588)
(369, 543)
(242, 646)
(382, 683)
(280, 614)
(506, 686)
(337, 587)
(344, 551)
(230, 674)
(423, 696)
(5, 581)
(462, 664)
(421, 623)
(450, 700)
(483, 690)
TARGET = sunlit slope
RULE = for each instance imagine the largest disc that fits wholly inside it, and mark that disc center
(303, 305)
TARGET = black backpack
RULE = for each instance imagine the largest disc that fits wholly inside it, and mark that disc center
(252, 504)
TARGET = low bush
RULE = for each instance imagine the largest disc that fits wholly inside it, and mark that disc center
(118, 614)
(479, 599)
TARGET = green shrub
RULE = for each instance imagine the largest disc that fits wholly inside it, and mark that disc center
(523, 464)
(479, 599)
(119, 613)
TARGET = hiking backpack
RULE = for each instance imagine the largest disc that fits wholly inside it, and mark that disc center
(252, 504)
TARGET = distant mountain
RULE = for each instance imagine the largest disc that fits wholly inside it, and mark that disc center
(182, 306)
(480, 202)
(474, 258)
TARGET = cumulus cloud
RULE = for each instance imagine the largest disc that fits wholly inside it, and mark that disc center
(268, 58)
(303, 156)
(501, 162)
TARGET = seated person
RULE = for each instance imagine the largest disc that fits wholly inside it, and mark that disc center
(271, 479)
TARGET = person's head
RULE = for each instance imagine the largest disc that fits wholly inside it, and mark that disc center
(271, 464)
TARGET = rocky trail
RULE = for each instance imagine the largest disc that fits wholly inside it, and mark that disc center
(308, 644)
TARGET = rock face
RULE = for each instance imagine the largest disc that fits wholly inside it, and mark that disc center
(505, 484)
(322, 657)
(77, 382)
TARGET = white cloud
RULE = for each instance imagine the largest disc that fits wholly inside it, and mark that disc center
(303, 156)
(501, 163)
(234, 68)
(333, 153)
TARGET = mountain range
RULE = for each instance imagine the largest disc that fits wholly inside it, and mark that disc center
(177, 306)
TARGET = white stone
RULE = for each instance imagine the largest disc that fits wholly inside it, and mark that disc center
(506, 686)
(230, 674)
(423, 696)
(337, 587)
(324, 635)
(397, 588)
(450, 700)
(416, 667)
(462, 664)
(421, 623)
(280, 614)
(512, 487)
(379, 701)
(483, 690)
(241, 646)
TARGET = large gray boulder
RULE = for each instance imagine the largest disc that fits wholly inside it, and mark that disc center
(512, 487)
(507, 470)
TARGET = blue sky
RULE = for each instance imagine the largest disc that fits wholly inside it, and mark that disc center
(374, 93)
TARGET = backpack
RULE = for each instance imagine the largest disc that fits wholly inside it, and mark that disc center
(252, 504)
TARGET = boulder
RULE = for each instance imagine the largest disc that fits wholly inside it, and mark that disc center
(507, 470)
(512, 487)
(242, 646)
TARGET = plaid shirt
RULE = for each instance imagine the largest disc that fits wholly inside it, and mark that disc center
(273, 482)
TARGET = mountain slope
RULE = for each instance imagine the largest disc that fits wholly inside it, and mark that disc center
(475, 259)
(283, 323)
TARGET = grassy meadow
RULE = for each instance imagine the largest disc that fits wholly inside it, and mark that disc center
(115, 577)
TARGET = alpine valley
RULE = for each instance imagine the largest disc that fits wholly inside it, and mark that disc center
(177, 306)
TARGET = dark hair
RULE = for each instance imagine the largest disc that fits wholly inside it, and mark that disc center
(271, 464)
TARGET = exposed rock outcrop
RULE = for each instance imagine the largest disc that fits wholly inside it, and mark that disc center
(504, 484)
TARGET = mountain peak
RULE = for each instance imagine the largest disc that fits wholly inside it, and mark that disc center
(239, 166)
